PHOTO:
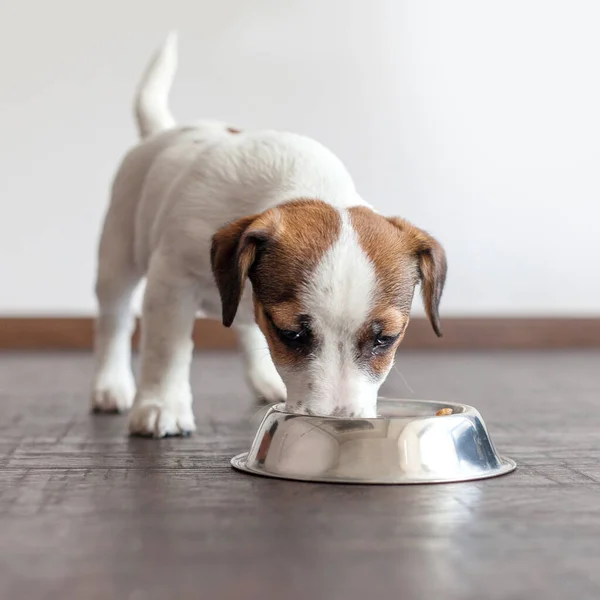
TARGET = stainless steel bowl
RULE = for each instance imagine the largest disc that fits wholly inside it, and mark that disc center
(408, 443)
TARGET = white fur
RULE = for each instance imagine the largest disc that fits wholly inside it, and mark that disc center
(170, 195)
(260, 370)
(339, 299)
(152, 97)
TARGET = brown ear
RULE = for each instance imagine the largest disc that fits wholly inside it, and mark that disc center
(432, 266)
(233, 251)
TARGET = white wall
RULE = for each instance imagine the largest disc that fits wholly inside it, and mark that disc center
(478, 120)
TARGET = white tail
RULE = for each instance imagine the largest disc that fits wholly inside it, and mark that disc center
(152, 96)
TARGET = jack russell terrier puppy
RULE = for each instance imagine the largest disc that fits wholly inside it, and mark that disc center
(200, 210)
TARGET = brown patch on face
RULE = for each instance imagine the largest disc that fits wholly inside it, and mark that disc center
(432, 268)
(397, 273)
(380, 361)
(402, 255)
(306, 230)
(280, 353)
(391, 320)
(392, 255)
(234, 130)
(285, 315)
(278, 250)
(388, 325)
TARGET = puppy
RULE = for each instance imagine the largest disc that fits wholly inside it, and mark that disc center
(199, 211)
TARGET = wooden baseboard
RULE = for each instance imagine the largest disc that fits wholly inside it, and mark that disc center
(77, 333)
(62, 333)
(505, 333)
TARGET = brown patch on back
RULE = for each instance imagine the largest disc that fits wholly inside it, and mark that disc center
(234, 130)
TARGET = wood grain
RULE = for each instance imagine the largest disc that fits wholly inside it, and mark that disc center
(64, 333)
(86, 512)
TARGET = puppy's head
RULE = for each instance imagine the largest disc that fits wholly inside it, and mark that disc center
(332, 294)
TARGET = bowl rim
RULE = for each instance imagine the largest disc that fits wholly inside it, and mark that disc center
(507, 465)
(459, 409)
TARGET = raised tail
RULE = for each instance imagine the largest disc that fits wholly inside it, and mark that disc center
(152, 96)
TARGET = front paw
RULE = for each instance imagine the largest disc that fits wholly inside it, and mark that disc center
(266, 383)
(156, 418)
(113, 392)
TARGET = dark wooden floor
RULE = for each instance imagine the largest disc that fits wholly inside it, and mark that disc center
(87, 513)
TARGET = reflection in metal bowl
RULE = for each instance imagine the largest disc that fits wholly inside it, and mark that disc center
(408, 443)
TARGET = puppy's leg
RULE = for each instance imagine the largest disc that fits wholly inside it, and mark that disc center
(260, 370)
(114, 386)
(163, 404)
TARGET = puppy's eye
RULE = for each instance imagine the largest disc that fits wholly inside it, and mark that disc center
(383, 342)
(294, 339)
(300, 339)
